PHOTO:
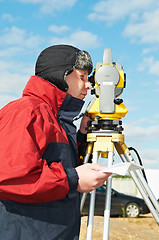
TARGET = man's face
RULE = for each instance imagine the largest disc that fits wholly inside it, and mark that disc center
(78, 83)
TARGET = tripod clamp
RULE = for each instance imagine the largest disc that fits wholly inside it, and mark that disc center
(100, 124)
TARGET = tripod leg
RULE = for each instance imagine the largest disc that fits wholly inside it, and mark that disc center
(88, 152)
(92, 205)
(84, 195)
(145, 191)
(145, 185)
(107, 201)
(86, 159)
(83, 199)
(140, 182)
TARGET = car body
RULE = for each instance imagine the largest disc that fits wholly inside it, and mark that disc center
(121, 204)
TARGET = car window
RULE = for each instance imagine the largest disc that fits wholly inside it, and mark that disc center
(102, 189)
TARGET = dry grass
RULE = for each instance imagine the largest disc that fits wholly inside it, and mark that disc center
(143, 228)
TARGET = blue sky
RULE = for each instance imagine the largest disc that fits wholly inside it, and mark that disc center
(129, 28)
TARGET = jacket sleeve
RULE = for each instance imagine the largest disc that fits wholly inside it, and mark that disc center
(24, 176)
(82, 146)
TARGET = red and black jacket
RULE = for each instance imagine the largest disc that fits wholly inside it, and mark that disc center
(38, 145)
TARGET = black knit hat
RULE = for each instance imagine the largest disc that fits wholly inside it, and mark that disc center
(57, 61)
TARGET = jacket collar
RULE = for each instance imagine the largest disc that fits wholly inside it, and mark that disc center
(70, 108)
(49, 93)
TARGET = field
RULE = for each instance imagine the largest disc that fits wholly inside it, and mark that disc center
(142, 228)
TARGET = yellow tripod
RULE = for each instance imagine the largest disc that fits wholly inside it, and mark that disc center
(102, 143)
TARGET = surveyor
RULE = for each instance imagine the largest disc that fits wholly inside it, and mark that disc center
(40, 176)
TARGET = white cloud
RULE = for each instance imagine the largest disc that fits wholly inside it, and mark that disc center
(144, 140)
(132, 108)
(108, 11)
(150, 156)
(18, 40)
(148, 50)
(141, 133)
(8, 17)
(19, 37)
(112, 11)
(14, 67)
(150, 64)
(157, 116)
(143, 20)
(14, 76)
(13, 82)
(58, 29)
(10, 52)
(80, 38)
(48, 6)
(15, 43)
(144, 30)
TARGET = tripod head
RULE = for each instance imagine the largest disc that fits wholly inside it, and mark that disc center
(108, 82)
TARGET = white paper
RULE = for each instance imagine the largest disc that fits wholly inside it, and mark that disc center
(122, 168)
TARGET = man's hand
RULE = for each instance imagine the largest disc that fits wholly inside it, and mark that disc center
(84, 124)
(90, 178)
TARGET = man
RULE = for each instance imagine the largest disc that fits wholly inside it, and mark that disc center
(40, 179)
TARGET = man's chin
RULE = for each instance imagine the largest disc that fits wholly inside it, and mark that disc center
(83, 96)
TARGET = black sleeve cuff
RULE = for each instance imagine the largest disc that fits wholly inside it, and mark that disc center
(72, 178)
(81, 137)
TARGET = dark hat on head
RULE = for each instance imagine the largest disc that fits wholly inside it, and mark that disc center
(57, 61)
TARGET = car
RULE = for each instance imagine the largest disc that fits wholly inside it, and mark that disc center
(121, 204)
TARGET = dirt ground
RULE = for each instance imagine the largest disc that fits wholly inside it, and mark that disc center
(142, 228)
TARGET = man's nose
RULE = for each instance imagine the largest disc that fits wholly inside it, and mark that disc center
(88, 85)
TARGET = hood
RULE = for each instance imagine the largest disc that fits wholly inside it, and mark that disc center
(55, 62)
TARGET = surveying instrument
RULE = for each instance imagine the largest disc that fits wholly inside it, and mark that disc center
(105, 134)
